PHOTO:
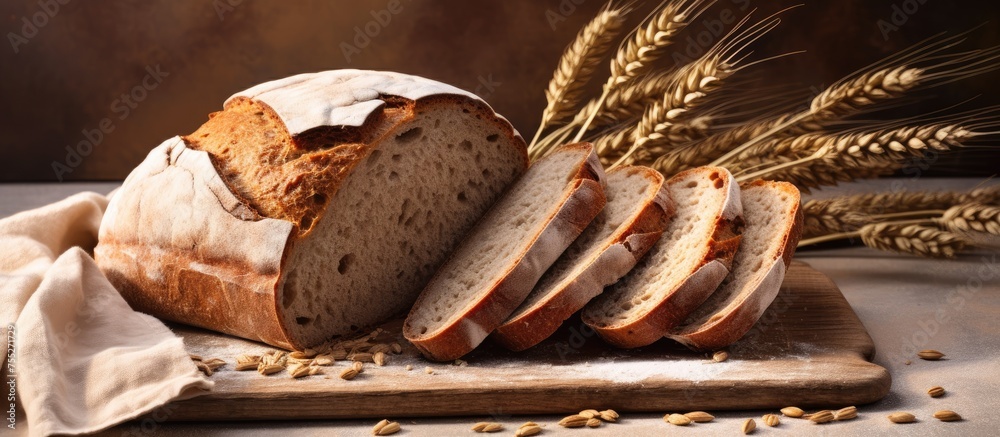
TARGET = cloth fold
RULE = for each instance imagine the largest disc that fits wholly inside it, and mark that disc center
(82, 359)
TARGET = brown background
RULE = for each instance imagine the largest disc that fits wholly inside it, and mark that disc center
(68, 76)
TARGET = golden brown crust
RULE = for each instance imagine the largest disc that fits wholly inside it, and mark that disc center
(634, 241)
(668, 313)
(795, 231)
(177, 244)
(228, 301)
(733, 325)
(576, 210)
(710, 271)
(275, 177)
(281, 176)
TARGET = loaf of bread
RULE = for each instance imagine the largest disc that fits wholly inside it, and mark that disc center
(637, 211)
(309, 207)
(773, 224)
(498, 264)
(682, 269)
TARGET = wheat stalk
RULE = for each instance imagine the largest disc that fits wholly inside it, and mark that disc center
(577, 65)
(674, 130)
(627, 101)
(614, 145)
(706, 150)
(914, 239)
(958, 225)
(662, 124)
(851, 97)
(615, 140)
(819, 221)
(836, 102)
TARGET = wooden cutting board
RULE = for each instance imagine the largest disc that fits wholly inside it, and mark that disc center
(808, 350)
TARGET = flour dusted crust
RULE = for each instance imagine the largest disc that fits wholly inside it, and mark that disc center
(340, 97)
(192, 218)
(184, 241)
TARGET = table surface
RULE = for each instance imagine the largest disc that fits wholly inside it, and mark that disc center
(906, 303)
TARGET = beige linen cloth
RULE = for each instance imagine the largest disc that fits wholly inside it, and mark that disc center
(83, 359)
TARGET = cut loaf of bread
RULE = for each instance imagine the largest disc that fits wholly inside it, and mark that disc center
(773, 224)
(502, 258)
(637, 211)
(309, 207)
(682, 269)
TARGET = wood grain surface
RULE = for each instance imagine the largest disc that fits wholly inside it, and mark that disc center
(809, 350)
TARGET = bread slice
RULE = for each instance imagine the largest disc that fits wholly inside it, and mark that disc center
(682, 269)
(309, 207)
(773, 224)
(500, 261)
(637, 211)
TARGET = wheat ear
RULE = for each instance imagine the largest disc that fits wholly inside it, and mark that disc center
(834, 103)
(836, 156)
(848, 213)
(659, 123)
(647, 42)
(972, 217)
(857, 155)
(914, 239)
(645, 45)
(851, 97)
(577, 65)
(926, 64)
(674, 131)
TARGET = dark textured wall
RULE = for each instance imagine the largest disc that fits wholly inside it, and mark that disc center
(63, 81)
